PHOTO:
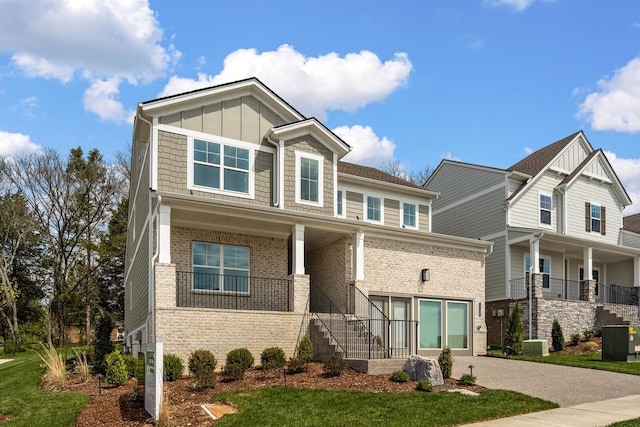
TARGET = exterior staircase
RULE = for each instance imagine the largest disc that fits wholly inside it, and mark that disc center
(617, 314)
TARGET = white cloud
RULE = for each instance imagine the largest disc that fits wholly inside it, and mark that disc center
(518, 5)
(528, 150)
(449, 156)
(313, 85)
(100, 98)
(12, 144)
(616, 106)
(628, 171)
(367, 148)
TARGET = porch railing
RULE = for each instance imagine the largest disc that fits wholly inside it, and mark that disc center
(571, 290)
(199, 290)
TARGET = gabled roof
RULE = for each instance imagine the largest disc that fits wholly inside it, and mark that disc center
(536, 162)
(372, 173)
(315, 128)
(631, 223)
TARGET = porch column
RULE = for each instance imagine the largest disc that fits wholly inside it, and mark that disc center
(588, 285)
(298, 249)
(534, 250)
(358, 256)
(636, 271)
(164, 235)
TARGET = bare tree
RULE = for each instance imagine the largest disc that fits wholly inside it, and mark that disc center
(396, 169)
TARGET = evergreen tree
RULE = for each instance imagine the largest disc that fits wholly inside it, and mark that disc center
(557, 337)
(513, 338)
(104, 345)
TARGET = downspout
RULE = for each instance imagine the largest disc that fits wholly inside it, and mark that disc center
(535, 238)
(276, 171)
(154, 258)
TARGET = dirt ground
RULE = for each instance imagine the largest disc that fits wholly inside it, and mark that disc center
(121, 406)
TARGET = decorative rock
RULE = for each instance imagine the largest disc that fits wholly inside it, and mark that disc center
(422, 368)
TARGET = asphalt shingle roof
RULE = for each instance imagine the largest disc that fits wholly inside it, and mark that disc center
(372, 173)
(631, 223)
(535, 162)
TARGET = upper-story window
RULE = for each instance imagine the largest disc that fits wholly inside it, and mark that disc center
(309, 172)
(340, 203)
(374, 209)
(545, 209)
(409, 215)
(595, 218)
(220, 267)
(221, 166)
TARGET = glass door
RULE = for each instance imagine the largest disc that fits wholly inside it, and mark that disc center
(400, 325)
(458, 325)
(430, 324)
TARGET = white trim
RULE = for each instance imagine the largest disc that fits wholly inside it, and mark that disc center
(469, 198)
(550, 196)
(221, 269)
(281, 173)
(216, 138)
(416, 214)
(493, 236)
(341, 199)
(305, 155)
(420, 323)
(154, 155)
(358, 256)
(591, 205)
(298, 249)
(222, 142)
(469, 326)
(365, 206)
(164, 235)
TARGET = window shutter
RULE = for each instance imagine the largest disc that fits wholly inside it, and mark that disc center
(603, 220)
(587, 216)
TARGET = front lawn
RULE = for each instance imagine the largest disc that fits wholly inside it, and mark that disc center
(283, 406)
(21, 398)
(589, 361)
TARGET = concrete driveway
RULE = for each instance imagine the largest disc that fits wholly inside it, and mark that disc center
(564, 385)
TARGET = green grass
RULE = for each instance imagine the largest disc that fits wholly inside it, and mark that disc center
(20, 397)
(589, 361)
(635, 422)
(282, 406)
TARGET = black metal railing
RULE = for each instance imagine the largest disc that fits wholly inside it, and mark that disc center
(622, 300)
(200, 290)
(519, 288)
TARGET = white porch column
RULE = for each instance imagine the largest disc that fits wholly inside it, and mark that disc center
(534, 251)
(298, 249)
(636, 271)
(164, 235)
(588, 263)
(358, 256)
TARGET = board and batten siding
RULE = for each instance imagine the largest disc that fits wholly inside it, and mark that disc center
(456, 182)
(525, 210)
(572, 157)
(495, 271)
(586, 190)
(244, 118)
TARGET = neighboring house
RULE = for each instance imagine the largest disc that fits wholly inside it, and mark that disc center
(245, 228)
(555, 218)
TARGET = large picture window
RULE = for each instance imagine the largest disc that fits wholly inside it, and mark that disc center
(219, 267)
(220, 166)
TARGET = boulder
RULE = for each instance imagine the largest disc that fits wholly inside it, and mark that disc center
(422, 368)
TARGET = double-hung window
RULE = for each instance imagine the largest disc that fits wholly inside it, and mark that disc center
(340, 203)
(409, 215)
(374, 209)
(219, 267)
(595, 218)
(545, 209)
(309, 173)
(220, 166)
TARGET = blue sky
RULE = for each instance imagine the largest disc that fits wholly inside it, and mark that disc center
(482, 81)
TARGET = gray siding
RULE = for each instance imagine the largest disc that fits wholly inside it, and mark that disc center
(354, 205)
(524, 212)
(620, 273)
(456, 182)
(495, 271)
(630, 239)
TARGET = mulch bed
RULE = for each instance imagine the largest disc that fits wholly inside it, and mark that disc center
(121, 406)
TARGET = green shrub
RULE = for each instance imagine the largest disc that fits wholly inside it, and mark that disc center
(240, 356)
(513, 338)
(305, 349)
(424, 385)
(202, 364)
(130, 362)
(588, 334)
(575, 338)
(115, 369)
(11, 347)
(297, 365)
(399, 377)
(598, 331)
(467, 379)
(233, 372)
(104, 346)
(557, 338)
(272, 358)
(334, 366)
(173, 367)
(446, 362)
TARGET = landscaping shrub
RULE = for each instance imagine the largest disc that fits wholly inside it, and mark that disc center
(575, 338)
(81, 364)
(297, 365)
(56, 374)
(305, 349)
(598, 331)
(173, 368)
(272, 358)
(446, 362)
(233, 372)
(588, 334)
(513, 338)
(424, 385)
(131, 363)
(557, 338)
(399, 377)
(240, 356)
(104, 346)
(334, 366)
(467, 379)
(115, 369)
(590, 346)
(202, 364)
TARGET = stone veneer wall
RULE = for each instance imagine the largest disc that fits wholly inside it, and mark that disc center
(394, 267)
(184, 330)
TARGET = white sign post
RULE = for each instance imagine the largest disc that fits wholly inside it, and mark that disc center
(153, 376)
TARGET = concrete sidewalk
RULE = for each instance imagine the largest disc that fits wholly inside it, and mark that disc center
(586, 415)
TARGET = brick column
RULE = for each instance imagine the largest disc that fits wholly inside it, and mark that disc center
(165, 285)
(588, 290)
(299, 295)
(536, 285)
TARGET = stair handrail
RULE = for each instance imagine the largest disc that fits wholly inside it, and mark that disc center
(357, 293)
(333, 309)
(627, 305)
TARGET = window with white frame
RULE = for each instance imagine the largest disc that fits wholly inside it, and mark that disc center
(220, 166)
(218, 267)
(545, 209)
(544, 265)
(409, 215)
(596, 218)
(374, 209)
(309, 173)
(340, 204)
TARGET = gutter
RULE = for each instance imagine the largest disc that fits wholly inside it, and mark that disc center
(151, 315)
(276, 168)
